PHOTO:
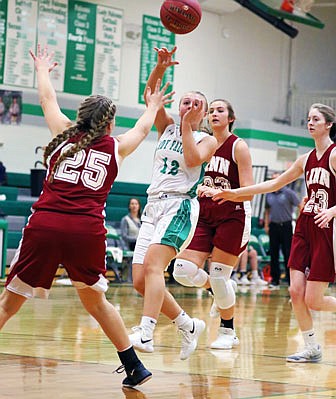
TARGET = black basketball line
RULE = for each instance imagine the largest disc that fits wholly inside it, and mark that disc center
(192, 8)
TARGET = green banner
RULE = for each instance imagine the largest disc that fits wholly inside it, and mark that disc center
(80, 48)
(154, 34)
(3, 21)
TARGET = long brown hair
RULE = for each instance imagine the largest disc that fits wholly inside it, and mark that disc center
(329, 116)
(230, 111)
(93, 116)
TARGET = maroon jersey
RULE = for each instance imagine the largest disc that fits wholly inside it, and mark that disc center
(320, 182)
(222, 172)
(226, 226)
(81, 183)
(312, 250)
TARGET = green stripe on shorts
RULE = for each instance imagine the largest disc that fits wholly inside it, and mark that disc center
(179, 227)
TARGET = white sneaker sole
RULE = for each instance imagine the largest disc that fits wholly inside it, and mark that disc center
(235, 342)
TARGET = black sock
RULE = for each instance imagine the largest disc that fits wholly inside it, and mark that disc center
(227, 323)
(242, 274)
(129, 359)
(210, 290)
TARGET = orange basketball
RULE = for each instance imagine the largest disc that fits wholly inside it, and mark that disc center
(180, 17)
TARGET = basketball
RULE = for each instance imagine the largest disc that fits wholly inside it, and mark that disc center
(179, 16)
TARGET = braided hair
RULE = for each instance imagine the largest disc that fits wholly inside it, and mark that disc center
(93, 116)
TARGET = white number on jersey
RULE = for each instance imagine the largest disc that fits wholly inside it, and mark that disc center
(94, 172)
(317, 202)
(219, 182)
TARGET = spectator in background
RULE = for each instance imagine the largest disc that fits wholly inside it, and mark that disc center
(130, 223)
(3, 175)
(278, 225)
(250, 256)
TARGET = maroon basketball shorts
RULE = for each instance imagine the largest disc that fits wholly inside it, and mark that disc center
(226, 226)
(51, 239)
(313, 248)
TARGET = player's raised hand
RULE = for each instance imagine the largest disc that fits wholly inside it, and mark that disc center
(42, 59)
(165, 57)
(159, 97)
(195, 111)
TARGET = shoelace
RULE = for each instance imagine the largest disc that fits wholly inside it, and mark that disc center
(143, 335)
(226, 331)
(186, 335)
(119, 370)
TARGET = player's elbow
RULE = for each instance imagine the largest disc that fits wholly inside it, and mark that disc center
(46, 99)
(191, 163)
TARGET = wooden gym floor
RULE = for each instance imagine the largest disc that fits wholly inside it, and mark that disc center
(54, 349)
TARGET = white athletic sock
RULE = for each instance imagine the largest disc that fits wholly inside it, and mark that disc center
(183, 321)
(255, 274)
(148, 324)
(309, 338)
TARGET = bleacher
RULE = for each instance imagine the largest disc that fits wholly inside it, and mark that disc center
(17, 201)
(11, 193)
(16, 207)
(16, 180)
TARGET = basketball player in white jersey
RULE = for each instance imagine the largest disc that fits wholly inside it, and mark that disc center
(170, 216)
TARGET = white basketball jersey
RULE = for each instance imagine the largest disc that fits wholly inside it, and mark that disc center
(170, 173)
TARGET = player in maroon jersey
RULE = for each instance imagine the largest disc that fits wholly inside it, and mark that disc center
(315, 227)
(222, 231)
(67, 223)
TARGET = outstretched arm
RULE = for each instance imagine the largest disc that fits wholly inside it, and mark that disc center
(155, 100)
(164, 61)
(56, 120)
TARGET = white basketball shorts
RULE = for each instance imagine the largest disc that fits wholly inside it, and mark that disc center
(170, 221)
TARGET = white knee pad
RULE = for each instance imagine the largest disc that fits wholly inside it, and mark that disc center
(188, 274)
(222, 288)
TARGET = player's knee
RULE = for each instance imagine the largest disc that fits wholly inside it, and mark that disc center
(221, 285)
(183, 269)
(188, 274)
(297, 292)
(252, 253)
(314, 302)
(200, 279)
